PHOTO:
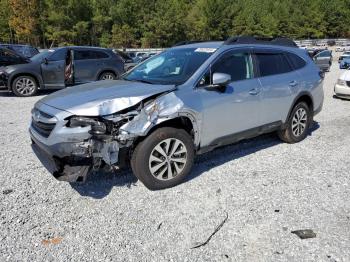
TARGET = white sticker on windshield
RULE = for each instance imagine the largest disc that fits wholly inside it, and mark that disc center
(205, 50)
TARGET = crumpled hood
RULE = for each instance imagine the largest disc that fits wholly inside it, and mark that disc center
(102, 97)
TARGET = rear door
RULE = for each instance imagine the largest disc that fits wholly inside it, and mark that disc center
(279, 84)
(323, 59)
(88, 64)
(53, 70)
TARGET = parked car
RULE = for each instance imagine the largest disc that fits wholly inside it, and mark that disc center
(23, 50)
(324, 60)
(128, 61)
(185, 101)
(343, 48)
(342, 87)
(344, 55)
(9, 57)
(345, 63)
(62, 67)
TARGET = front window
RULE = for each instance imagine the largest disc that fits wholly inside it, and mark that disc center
(171, 67)
(39, 57)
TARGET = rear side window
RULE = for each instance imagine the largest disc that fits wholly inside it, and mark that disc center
(98, 54)
(89, 54)
(296, 61)
(272, 64)
(325, 54)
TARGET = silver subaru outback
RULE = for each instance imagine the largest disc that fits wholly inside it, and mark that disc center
(185, 101)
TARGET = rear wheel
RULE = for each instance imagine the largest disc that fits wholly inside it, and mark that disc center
(107, 76)
(24, 86)
(298, 124)
(164, 158)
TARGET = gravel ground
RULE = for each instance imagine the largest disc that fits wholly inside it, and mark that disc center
(266, 188)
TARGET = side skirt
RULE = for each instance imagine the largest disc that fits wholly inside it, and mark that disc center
(250, 133)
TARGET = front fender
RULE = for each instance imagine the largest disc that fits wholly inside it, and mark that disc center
(15, 74)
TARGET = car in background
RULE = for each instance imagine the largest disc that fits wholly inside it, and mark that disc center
(62, 67)
(342, 87)
(128, 61)
(345, 63)
(9, 57)
(344, 55)
(23, 50)
(343, 48)
(323, 60)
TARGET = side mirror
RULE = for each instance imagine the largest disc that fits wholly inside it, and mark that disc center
(45, 61)
(221, 79)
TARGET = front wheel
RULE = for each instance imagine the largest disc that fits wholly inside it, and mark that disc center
(298, 124)
(164, 158)
(24, 86)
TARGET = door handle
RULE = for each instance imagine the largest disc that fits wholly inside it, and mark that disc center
(293, 83)
(254, 91)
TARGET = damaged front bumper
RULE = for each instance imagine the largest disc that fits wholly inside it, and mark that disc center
(70, 146)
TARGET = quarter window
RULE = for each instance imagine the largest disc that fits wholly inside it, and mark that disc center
(296, 61)
(272, 64)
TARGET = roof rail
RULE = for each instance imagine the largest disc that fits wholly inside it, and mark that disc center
(192, 42)
(260, 40)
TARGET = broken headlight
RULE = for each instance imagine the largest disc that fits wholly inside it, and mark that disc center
(97, 127)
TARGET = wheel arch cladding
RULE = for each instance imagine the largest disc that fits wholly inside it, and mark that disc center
(302, 97)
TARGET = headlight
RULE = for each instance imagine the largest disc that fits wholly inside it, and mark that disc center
(341, 82)
(97, 127)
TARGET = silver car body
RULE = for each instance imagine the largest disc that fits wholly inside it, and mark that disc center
(246, 108)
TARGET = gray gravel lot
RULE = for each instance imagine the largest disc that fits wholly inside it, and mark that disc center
(267, 188)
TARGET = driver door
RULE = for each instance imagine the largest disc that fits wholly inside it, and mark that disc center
(237, 107)
(53, 69)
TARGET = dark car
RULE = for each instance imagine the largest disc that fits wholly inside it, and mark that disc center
(23, 50)
(9, 57)
(62, 67)
(128, 61)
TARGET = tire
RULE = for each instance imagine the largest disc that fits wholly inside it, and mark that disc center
(298, 124)
(24, 86)
(147, 156)
(107, 76)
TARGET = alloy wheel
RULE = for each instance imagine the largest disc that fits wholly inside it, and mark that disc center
(108, 76)
(25, 86)
(168, 158)
(299, 122)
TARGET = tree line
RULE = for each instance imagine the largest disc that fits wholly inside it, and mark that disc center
(161, 23)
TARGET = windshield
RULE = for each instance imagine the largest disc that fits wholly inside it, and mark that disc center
(26, 51)
(175, 66)
(39, 57)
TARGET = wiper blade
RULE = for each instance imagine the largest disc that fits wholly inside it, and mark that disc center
(142, 81)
